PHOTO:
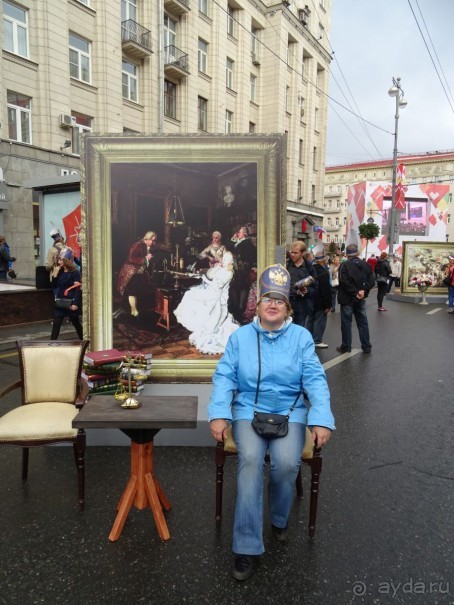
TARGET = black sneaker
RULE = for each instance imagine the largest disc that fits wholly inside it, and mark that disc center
(280, 533)
(342, 349)
(243, 566)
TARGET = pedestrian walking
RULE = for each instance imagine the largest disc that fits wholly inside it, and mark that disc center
(322, 300)
(356, 279)
(382, 273)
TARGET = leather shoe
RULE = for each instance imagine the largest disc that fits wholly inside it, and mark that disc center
(280, 533)
(243, 566)
(342, 349)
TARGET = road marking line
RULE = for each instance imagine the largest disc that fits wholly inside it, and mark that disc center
(433, 311)
(340, 359)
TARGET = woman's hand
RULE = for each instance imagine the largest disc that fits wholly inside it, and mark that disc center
(218, 428)
(73, 308)
(320, 435)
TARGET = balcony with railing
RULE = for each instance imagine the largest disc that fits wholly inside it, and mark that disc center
(177, 7)
(135, 39)
(176, 62)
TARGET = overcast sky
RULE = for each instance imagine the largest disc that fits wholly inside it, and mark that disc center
(374, 41)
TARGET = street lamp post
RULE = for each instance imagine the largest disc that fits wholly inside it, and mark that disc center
(393, 226)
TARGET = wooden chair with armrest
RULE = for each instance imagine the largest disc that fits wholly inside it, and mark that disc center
(52, 394)
(311, 456)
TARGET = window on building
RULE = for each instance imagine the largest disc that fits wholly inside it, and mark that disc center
(290, 52)
(253, 84)
(316, 119)
(86, 2)
(321, 32)
(299, 191)
(328, 238)
(338, 204)
(344, 220)
(202, 114)
(300, 151)
(83, 126)
(337, 221)
(170, 99)
(255, 44)
(339, 189)
(202, 56)
(336, 238)
(251, 127)
(287, 98)
(129, 80)
(229, 73)
(79, 58)
(314, 158)
(313, 200)
(230, 21)
(203, 6)
(448, 218)
(15, 29)
(129, 10)
(169, 39)
(228, 121)
(19, 117)
(328, 221)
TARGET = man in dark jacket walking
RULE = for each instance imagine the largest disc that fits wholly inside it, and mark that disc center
(316, 320)
(356, 279)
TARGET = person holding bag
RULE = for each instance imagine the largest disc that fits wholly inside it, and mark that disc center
(382, 273)
(268, 369)
(68, 300)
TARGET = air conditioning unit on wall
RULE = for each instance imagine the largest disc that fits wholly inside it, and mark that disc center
(67, 121)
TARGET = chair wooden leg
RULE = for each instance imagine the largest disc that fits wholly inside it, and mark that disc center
(25, 456)
(79, 454)
(220, 460)
(316, 468)
(299, 485)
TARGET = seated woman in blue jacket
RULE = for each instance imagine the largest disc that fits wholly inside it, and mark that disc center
(284, 356)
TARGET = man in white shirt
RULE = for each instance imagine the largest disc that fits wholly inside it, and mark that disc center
(396, 272)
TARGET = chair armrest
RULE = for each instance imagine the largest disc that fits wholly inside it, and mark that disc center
(10, 387)
(82, 395)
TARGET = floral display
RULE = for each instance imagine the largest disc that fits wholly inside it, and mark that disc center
(422, 279)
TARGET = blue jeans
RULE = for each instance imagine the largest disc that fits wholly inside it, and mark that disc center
(451, 297)
(285, 455)
(316, 324)
(358, 309)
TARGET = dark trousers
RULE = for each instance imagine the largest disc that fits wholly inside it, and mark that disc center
(302, 307)
(58, 322)
(381, 291)
(357, 309)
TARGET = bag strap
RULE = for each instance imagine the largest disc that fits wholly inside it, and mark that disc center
(258, 382)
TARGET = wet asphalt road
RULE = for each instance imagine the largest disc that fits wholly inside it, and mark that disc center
(385, 530)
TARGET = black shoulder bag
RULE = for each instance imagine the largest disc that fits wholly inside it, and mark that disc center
(269, 426)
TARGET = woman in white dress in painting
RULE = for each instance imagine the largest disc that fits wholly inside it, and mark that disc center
(204, 310)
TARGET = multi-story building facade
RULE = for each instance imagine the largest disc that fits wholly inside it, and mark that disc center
(426, 169)
(158, 66)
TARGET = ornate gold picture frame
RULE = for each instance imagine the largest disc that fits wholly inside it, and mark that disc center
(429, 258)
(182, 188)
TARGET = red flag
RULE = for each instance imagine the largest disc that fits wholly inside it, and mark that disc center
(303, 226)
(399, 200)
(72, 225)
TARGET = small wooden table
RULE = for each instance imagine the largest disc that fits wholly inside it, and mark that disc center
(141, 425)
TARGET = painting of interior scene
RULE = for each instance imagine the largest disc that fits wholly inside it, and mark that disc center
(184, 256)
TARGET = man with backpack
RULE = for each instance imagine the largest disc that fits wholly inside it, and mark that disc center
(356, 279)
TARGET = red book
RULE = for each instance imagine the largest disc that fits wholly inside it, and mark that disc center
(138, 354)
(98, 358)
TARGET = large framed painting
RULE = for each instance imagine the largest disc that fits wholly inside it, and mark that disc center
(176, 229)
(429, 258)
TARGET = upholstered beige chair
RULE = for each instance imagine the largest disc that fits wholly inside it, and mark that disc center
(311, 456)
(52, 393)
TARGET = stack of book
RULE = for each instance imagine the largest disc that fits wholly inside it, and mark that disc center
(106, 372)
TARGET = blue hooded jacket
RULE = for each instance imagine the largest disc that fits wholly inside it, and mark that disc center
(289, 364)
